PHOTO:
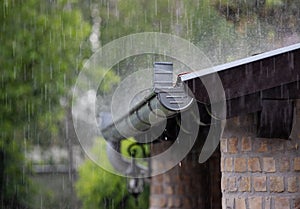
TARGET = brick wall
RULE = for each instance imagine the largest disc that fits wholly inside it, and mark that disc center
(189, 185)
(259, 173)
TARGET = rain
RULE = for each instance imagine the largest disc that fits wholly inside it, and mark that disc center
(46, 45)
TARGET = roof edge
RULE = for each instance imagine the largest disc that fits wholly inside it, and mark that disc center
(236, 63)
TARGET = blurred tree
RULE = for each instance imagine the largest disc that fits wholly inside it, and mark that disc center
(196, 20)
(41, 51)
(209, 30)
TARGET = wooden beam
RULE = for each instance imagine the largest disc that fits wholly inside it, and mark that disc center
(253, 102)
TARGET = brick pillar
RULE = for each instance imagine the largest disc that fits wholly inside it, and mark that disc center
(189, 185)
(259, 173)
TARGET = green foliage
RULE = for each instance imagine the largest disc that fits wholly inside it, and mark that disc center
(107, 79)
(209, 30)
(39, 59)
(270, 3)
(99, 189)
(122, 18)
(196, 20)
(54, 191)
(125, 144)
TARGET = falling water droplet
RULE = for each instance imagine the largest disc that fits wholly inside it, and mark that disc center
(155, 7)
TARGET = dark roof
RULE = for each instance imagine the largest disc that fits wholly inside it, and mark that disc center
(270, 75)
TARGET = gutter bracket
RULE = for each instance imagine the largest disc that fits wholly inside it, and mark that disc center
(174, 98)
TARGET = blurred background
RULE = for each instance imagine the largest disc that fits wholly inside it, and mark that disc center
(43, 46)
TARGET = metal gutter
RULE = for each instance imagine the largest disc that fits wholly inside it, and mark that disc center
(163, 102)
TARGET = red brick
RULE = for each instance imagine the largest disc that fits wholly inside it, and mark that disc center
(181, 189)
(297, 203)
(240, 165)
(292, 184)
(244, 184)
(263, 146)
(236, 121)
(259, 183)
(167, 178)
(267, 203)
(291, 145)
(158, 201)
(186, 178)
(269, 164)
(231, 184)
(284, 164)
(240, 203)
(254, 164)
(187, 203)
(297, 164)
(282, 203)
(168, 189)
(233, 145)
(156, 189)
(223, 145)
(276, 184)
(246, 144)
(277, 145)
(255, 202)
(228, 164)
(224, 183)
(158, 178)
(222, 164)
(174, 202)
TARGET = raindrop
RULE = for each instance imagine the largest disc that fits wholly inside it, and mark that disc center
(63, 183)
(51, 71)
(108, 10)
(15, 72)
(227, 9)
(155, 7)
(42, 205)
(46, 92)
